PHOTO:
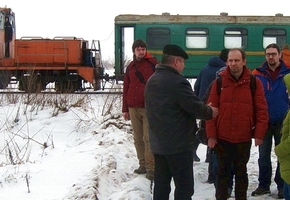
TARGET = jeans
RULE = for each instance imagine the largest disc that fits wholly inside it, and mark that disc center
(176, 166)
(214, 163)
(264, 161)
(286, 191)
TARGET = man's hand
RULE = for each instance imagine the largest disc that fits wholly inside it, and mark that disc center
(215, 111)
(126, 116)
(258, 142)
(211, 142)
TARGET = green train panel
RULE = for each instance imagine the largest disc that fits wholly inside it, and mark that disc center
(202, 36)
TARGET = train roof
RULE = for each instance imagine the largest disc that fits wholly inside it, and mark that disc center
(202, 19)
(6, 10)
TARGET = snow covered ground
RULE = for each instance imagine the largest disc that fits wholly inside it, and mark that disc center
(55, 147)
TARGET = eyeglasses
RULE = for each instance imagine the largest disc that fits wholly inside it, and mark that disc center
(271, 54)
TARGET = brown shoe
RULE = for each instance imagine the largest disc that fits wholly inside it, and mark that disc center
(150, 175)
(140, 170)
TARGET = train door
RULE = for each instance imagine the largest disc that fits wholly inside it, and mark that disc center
(124, 38)
(6, 44)
(2, 35)
(7, 33)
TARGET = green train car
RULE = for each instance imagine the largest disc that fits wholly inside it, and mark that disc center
(202, 36)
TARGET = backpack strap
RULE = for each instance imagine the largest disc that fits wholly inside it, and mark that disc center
(253, 84)
(219, 84)
(139, 75)
(253, 87)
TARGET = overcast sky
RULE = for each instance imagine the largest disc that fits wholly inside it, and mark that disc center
(94, 19)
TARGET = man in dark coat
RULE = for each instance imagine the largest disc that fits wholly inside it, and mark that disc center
(8, 36)
(172, 109)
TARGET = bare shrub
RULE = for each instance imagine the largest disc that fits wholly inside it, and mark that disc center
(19, 140)
(28, 104)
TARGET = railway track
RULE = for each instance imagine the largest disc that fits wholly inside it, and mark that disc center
(112, 88)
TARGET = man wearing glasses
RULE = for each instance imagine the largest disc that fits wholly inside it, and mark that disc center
(271, 74)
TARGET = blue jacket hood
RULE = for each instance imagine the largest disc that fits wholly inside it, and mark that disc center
(216, 62)
(207, 75)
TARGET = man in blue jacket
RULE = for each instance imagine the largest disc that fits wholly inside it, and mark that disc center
(204, 79)
(208, 73)
(271, 74)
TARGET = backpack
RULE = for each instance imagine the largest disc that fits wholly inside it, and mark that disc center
(201, 132)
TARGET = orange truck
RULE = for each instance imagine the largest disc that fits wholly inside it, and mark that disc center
(68, 62)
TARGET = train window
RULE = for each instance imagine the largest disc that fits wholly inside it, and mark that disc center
(158, 37)
(277, 36)
(235, 38)
(196, 38)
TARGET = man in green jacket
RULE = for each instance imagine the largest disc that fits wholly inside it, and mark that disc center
(282, 150)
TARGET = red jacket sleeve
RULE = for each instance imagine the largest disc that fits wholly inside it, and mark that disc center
(211, 125)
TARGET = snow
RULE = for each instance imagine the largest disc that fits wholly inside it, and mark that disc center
(89, 151)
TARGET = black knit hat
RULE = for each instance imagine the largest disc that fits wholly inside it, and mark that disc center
(224, 55)
(174, 50)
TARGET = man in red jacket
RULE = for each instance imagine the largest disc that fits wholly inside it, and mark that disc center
(231, 132)
(136, 76)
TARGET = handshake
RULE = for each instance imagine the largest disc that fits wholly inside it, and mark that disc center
(215, 111)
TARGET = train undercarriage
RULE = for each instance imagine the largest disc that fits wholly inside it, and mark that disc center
(37, 81)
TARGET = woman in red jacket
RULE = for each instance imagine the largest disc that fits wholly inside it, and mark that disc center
(230, 133)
